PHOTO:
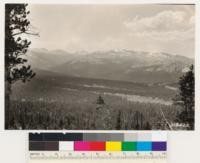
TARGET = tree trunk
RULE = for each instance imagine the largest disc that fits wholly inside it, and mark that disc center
(7, 103)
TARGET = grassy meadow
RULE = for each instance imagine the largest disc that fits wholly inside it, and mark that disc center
(70, 103)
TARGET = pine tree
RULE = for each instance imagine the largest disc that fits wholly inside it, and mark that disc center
(102, 115)
(118, 126)
(100, 100)
(137, 115)
(16, 46)
(147, 126)
(185, 98)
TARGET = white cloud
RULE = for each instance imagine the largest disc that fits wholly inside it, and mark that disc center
(167, 28)
(166, 25)
(166, 36)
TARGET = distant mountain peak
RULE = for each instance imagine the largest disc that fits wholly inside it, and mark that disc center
(58, 51)
(41, 50)
(116, 64)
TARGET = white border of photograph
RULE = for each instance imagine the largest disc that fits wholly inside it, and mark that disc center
(183, 146)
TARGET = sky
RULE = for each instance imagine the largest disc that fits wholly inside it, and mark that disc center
(147, 27)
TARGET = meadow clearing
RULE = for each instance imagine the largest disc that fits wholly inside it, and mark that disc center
(70, 103)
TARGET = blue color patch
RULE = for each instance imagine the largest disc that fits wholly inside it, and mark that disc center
(144, 146)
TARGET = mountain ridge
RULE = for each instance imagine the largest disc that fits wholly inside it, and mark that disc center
(125, 65)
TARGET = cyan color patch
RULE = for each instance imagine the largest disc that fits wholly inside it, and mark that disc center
(144, 146)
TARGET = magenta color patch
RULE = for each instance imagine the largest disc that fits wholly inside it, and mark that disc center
(81, 146)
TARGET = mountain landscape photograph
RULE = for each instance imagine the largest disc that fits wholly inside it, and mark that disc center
(99, 67)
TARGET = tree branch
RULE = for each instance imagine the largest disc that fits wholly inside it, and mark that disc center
(35, 34)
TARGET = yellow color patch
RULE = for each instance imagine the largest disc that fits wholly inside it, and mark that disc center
(113, 146)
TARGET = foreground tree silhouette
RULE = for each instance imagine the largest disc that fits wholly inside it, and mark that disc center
(100, 100)
(16, 26)
(186, 98)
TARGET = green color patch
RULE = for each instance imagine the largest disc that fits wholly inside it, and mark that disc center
(129, 146)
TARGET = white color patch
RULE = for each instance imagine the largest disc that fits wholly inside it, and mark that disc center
(66, 146)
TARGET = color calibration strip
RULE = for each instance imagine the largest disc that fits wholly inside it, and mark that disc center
(110, 142)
